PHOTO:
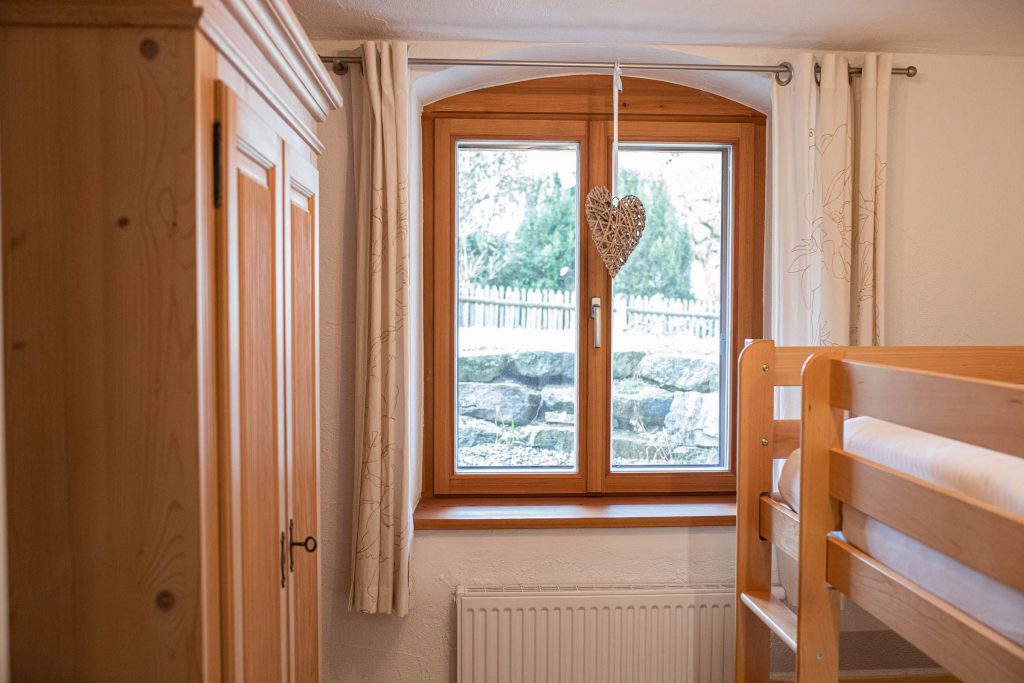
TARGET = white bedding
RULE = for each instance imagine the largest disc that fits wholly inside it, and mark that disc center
(993, 477)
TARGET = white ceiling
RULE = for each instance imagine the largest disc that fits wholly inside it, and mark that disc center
(993, 27)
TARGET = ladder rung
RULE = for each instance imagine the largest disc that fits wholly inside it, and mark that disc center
(773, 612)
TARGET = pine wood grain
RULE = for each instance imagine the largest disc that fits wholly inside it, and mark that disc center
(440, 433)
(100, 354)
(564, 512)
(576, 109)
(589, 95)
(253, 473)
(900, 384)
(754, 477)
(780, 526)
(883, 677)
(979, 410)
(962, 645)
(207, 333)
(785, 438)
(427, 303)
(997, 363)
(817, 658)
(151, 13)
(774, 613)
(304, 451)
(260, 469)
(117, 332)
(971, 531)
(744, 242)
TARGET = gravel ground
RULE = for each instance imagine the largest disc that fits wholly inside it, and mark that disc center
(518, 455)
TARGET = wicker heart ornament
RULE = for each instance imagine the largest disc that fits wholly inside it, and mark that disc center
(616, 229)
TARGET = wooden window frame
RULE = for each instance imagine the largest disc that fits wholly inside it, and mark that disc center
(578, 109)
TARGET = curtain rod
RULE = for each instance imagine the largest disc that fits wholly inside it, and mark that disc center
(783, 72)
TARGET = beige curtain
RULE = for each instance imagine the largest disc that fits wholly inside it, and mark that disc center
(382, 531)
(829, 160)
(871, 102)
(828, 202)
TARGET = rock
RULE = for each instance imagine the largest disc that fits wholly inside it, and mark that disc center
(693, 419)
(544, 365)
(555, 417)
(636, 449)
(481, 366)
(624, 363)
(681, 373)
(553, 438)
(512, 455)
(658, 448)
(695, 455)
(473, 432)
(502, 402)
(559, 398)
(646, 404)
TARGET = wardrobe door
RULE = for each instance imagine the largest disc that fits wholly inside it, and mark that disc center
(301, 260)
(254, 543)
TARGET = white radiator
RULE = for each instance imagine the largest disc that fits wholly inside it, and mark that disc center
(595, 634)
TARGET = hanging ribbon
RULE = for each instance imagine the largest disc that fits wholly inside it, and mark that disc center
(616, 89)
(616, 225)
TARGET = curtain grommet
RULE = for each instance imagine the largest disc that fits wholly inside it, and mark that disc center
(784, 77)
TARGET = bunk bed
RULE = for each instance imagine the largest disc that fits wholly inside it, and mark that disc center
(917, 515)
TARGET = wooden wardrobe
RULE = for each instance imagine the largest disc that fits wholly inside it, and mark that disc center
(160, 228)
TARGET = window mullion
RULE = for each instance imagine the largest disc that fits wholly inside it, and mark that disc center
(595, 401)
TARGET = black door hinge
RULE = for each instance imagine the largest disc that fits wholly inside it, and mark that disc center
(217, 176)
(284, 575)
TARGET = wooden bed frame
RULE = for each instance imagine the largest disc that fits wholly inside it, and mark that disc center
(971, 394)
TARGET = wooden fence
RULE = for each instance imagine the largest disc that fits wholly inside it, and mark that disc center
(551, 310)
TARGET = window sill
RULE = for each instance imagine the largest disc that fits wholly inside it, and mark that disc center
(575, 513)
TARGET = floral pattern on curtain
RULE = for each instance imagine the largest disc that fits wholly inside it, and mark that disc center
(829, 147)
(828, 207)
(382, 515)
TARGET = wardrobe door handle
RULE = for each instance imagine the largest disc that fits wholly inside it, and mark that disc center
(309, 544)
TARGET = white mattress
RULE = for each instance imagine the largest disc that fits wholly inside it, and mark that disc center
(993, 477)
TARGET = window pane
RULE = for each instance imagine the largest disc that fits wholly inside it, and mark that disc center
(516, 251)
(666, 316)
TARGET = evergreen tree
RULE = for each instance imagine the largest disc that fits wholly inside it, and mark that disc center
(660, 264)
(543, 250)
(541, 254)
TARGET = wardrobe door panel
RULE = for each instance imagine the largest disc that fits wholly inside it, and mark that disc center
(254, 470)
(301, 218)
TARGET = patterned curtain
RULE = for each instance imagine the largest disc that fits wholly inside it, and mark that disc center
(383, 504)
(829, 159)
(828, 203)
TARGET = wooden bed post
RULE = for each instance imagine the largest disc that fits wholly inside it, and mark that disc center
(753, 477)
(817, 655)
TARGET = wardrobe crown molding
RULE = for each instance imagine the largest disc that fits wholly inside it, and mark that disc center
(276, 33)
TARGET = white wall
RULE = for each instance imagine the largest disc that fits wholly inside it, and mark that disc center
(956, 207)
(955, 245)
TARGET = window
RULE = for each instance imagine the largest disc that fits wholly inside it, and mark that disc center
(544, 375)
(517, 247)
(667, 316)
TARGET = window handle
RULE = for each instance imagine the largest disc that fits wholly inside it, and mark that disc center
(595, 313)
